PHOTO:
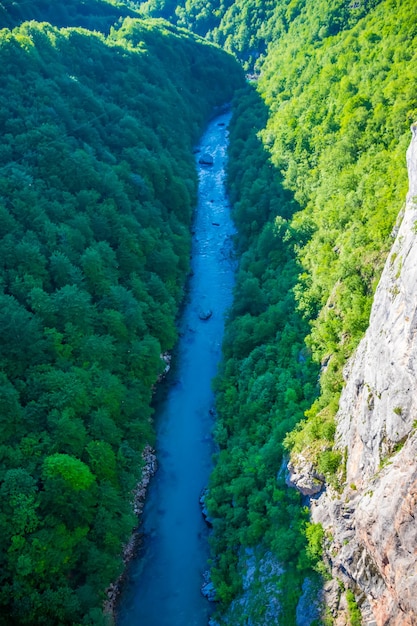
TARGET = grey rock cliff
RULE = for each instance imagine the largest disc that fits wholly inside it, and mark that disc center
(372, 524)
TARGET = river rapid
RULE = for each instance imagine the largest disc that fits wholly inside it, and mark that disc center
(163, 586)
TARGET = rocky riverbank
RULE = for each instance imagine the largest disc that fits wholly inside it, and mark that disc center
(164, 583)
(130, 549)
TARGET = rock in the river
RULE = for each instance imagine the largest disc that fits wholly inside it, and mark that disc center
(206, 159)
(204, 509)
(208, 589)
(205, 314)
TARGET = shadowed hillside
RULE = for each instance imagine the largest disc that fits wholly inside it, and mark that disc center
(315, 216)
(97, 189)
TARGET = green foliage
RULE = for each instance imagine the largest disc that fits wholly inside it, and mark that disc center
(240, 26)
(75, 474)
(316, 179)
(99, 15)
(329, 462)
(355, 616)
(267, 379)
(338, 130)
(97, 186)
(315, 537)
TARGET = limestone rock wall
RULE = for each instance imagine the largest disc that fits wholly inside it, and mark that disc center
(372, 524)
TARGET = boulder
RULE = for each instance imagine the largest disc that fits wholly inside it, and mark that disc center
(208, 589)
(206, 159)
(205, 314)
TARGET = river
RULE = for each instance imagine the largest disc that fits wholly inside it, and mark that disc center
(163, 583)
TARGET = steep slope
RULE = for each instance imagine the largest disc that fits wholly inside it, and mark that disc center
(371, 522)
(316, 177)
(315, 199)
(95, 14)
(97, 188)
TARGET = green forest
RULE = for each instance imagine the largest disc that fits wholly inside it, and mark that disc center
(95, 15)
(101, 105)
(317, 178)
(97, 190)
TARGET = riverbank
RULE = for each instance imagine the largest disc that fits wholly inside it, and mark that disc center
(130, 550)
(163, 584)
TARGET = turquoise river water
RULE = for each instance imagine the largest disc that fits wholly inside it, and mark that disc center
(163, 586)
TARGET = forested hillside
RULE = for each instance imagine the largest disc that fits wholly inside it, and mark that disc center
(317, 178)
(95, 14)
(97, 188)
(250, 28)
(338, 131)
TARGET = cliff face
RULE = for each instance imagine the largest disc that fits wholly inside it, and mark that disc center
(372, 527)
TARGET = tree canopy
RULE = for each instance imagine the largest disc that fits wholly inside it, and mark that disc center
(97, 189)
(317, 178)
(97, 186)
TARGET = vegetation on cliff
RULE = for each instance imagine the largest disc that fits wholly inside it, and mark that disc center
(338, 131)
(97, 188)
(97, 185)
(317, 177)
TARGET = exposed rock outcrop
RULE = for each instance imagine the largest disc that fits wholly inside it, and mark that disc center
(309, 606)
(204, 509)
(303, 475)
(208, 589)
(166, 358)
(375, 537)
(260, 597)
(372, 523)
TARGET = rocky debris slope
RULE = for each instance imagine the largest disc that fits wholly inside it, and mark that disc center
(371, 525)
(259, 602)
